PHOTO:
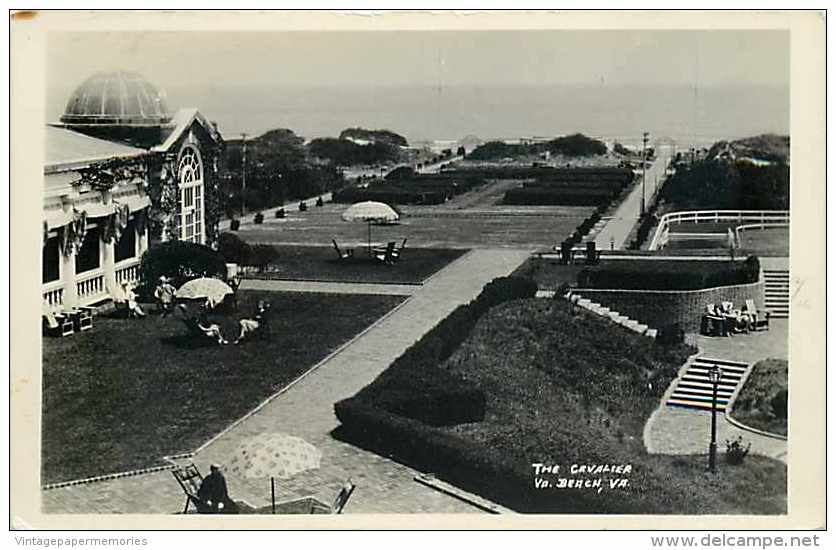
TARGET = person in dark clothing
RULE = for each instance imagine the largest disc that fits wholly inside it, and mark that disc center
(213, 494)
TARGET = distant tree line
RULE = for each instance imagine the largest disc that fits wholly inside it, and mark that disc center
(279, 168)
(575, 145)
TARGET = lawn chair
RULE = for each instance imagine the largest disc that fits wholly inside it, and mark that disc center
(344, 255)
(233, 276)
(758, 320)
(339, 501)
(387, 256)
(398, 250)
(190, 479)
(56, 323)
(713, 324)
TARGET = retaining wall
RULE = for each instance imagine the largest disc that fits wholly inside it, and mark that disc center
(658, 308)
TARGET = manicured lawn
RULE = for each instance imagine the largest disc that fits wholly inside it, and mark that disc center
(318, 263)
(126, 393)
(753, 405)
(442, 226)
(572, 389)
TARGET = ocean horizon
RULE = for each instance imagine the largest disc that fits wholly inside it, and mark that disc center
(449, 113)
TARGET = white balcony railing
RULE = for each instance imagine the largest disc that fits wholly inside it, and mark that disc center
(53, 293)
(760, 217)
(90, 287)
(127, 271)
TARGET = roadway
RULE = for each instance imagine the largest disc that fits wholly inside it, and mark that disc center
(623, 220)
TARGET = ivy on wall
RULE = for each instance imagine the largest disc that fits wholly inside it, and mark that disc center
(103, 176)
(161, 183)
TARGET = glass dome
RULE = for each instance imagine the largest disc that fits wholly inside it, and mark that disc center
(116, 98)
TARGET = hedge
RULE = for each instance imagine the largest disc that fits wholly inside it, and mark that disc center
(388, 195)
(480, 469)
(561, 196)
(650, 275)
(444, 399)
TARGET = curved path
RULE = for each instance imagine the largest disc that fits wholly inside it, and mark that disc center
(305, 409)
(673, 430)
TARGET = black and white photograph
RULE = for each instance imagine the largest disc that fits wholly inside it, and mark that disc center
(406, 269)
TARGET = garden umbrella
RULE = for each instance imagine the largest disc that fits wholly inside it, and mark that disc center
(274, 455)
(212, 290)
(370, 212)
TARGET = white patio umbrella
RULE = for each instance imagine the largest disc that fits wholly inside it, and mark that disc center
(370, 212)
(208, 288)
(274, 455)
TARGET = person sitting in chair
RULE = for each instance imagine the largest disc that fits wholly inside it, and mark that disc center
(737, 322)
(253, 324)
(201, 325)
(164, 294)
(130, 299)
(213, 494)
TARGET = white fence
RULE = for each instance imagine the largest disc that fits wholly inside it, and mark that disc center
(753, 218)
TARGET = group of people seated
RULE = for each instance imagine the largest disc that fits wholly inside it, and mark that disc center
(248, 327)
(724, 320)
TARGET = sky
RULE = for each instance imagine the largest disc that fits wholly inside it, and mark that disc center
(418, 57)
(190, 63)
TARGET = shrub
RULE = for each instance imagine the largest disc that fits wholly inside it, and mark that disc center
(233, 250)
(181, 261)
(262, 255)
(280, 213)
(779, 404)
(735, 451)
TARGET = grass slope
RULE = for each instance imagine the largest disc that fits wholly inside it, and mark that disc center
(753, 404)
(128, 392)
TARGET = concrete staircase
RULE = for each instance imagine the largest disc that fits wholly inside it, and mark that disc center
(603, 311)
(777, 292)
(694, 388)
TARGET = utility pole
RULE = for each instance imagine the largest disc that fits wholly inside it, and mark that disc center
(645, 137)
(244, 176)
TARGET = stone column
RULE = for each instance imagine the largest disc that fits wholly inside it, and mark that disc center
(70, 298)
(109, 265)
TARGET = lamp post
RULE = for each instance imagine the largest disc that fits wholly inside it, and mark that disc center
(244, 176)
(714, 374)
(645, 137)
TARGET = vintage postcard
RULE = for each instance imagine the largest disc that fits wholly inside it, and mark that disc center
(478, 270)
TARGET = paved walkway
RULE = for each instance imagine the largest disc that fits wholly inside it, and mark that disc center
(329, 287)
(672, 430)
(306, 410)
(625, 217)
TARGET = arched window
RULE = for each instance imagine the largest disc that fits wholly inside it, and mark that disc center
(190, 172)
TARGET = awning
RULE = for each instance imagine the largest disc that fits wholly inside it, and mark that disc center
(60, 218)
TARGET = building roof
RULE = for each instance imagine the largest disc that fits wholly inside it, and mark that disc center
(121, 98)
(67, 150)
(181, 122)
